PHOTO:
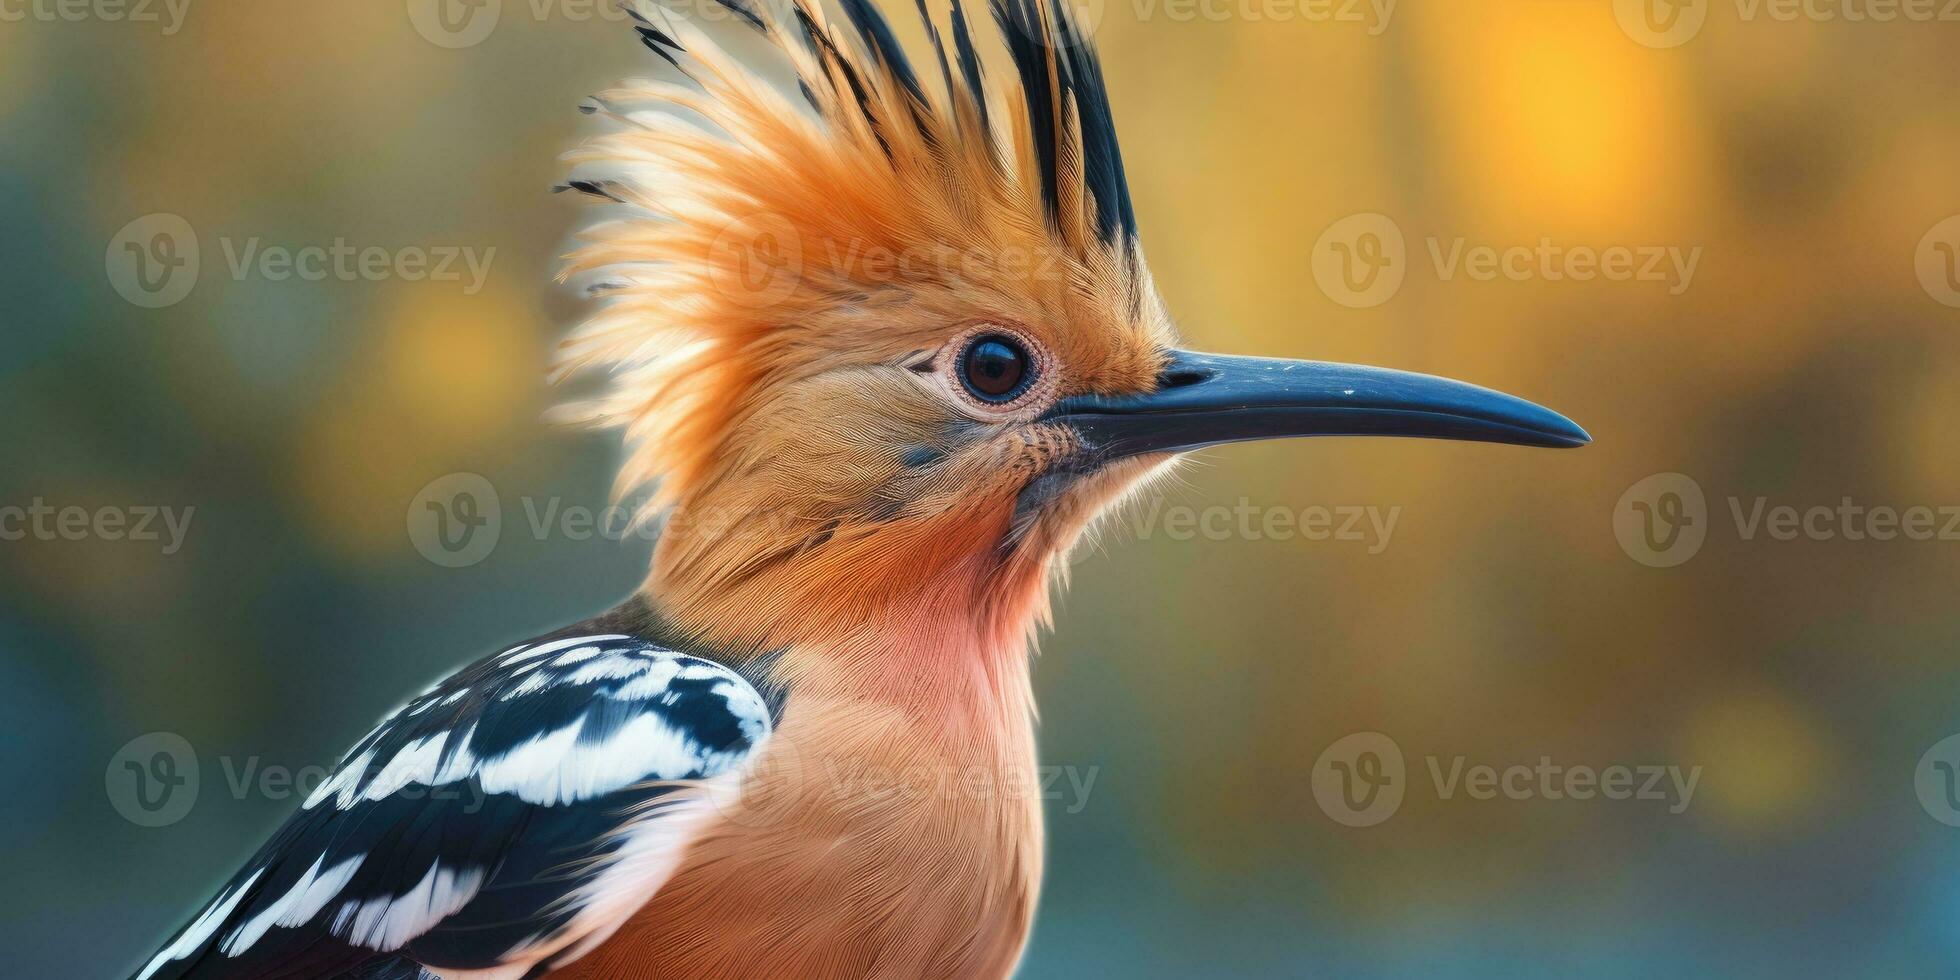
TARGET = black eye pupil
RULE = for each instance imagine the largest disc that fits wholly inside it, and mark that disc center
(995, 368)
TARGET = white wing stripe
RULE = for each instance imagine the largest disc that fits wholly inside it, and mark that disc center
(343, 784)
(527, 653)
(387, 924)
(553, 768)
(201, 930)
(653, 716)
(308, 896)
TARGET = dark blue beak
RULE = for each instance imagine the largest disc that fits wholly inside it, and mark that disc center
(1209, 399)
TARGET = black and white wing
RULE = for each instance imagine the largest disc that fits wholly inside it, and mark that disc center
(517, 813)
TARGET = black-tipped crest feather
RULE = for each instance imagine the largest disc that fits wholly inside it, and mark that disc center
(1056, 62)
(976, 83)
(1062, 86)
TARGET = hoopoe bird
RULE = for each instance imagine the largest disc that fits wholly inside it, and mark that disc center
(868, 473)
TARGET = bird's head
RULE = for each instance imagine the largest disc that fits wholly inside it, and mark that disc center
(890, 349)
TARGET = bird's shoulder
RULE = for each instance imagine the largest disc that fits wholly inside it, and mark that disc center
(565, 701)
(500, 816)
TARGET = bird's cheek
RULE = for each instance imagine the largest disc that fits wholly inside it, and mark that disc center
(1072, 481)
(1025, 454)
(976, 468)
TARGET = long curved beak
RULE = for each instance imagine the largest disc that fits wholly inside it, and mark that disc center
(1210, 399)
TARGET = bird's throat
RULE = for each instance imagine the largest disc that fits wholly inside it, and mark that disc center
(949, 640)
(926, 611)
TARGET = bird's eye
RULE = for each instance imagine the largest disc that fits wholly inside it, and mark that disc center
(996, 368)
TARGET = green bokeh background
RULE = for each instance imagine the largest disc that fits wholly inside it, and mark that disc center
(1503, 622)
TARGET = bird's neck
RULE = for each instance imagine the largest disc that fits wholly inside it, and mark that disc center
(948, 644)
(930, 664)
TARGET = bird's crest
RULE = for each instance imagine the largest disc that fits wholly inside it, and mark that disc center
(765, 237)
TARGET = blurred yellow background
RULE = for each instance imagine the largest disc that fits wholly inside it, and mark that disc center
(1805, 165)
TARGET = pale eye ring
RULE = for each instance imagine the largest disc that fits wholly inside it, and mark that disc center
(996, 368)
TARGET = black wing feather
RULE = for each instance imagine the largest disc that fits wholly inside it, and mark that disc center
(477, 853)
